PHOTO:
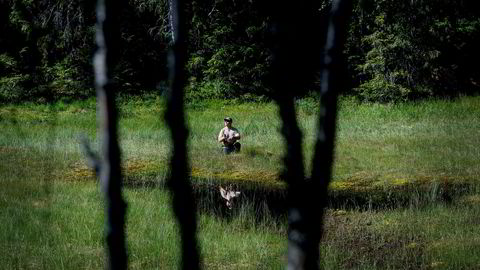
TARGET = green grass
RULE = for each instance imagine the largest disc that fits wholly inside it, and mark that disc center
(434, 237)
(62, 229)
(412, 141)
(52, 211)
(431, 139)
(381, 144)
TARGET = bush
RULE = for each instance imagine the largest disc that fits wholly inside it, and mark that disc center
(61, 81)
(380, 90)
(208, 90)
(401, 50)
(13, 88)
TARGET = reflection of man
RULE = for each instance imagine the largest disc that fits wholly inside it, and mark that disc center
(229, 137)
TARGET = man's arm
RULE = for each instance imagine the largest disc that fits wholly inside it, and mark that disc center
(236, 135)
(221, 136)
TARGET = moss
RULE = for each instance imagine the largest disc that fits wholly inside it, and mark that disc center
(76, 172)
(470, 199)
(400, 182)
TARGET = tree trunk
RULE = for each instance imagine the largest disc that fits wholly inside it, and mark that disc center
(178, 181)
(110, 172)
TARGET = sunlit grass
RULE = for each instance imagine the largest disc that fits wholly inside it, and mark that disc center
(410, 141)
(434, 237)
(52, 210)
(62, 229)
(378, 147)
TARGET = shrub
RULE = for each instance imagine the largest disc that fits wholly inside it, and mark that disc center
(380, 90)
(13, 88)
(208, 90)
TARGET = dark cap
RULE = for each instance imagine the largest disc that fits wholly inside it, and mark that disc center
(228, 119)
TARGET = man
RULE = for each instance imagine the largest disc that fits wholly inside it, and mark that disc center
(229, 136)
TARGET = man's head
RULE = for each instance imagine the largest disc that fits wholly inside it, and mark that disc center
(228, 121)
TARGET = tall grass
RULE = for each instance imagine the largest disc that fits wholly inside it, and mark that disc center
(383, 144)
(412, 140)
(52, 212)
(434, 237)
(63, 230)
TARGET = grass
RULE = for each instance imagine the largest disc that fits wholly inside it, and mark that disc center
(426, 148)
(412, 140)
(63, 230)
(386, 155)
(435, 237)
(380, 144)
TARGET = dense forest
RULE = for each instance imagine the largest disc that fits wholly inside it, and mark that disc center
(396, 50)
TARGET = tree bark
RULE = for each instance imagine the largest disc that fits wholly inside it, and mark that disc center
(294, 47)
(333, 78)
(107, 36)
(178, 181)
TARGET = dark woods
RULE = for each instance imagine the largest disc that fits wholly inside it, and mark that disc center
(396, 50)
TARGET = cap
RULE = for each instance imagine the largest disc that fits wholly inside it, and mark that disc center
(228, 119)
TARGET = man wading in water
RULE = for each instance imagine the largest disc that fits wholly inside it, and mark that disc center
(229, 137)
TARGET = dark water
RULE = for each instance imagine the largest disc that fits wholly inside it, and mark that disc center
(266, 200)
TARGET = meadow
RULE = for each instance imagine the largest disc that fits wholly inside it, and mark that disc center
(405, 190)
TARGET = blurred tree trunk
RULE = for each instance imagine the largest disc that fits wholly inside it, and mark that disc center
(107, 36)
(178, 180)
(296, 59)
(333, 81)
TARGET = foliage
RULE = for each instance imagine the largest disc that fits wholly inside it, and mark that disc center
(47, 45)
(13, 88)
(46, 49)
(228, 52)
(404, 50)
(396, 50)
